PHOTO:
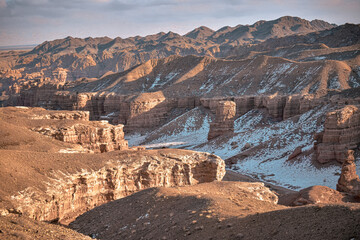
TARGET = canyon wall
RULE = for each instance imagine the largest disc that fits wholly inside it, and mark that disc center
(224, 120)
(149, 110)
(69, 195)
(341, 133)
(102, 137)
(96, 136)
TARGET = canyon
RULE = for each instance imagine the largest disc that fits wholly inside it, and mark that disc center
(199, 135)
(74, 183)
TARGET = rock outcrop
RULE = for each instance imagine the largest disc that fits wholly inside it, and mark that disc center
(349, 181)
(68, 115)
(96, 136)
(315, 195)
(148, 110)
(102, 137)
(296, 153)
(224, 121)
(341, 132)
(69, 195)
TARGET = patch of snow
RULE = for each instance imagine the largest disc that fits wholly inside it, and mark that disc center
(108, 116)
(273, 144)
(143, 217)
(123, 228)
(21, 107)
(320, 58)
(248, 121)
(168, 78)
(280, 53)
(354, 82)
(135, 139)
(102, 84)
(208, 85)
(188, 129)
(334, 83)
(156, 82)
(165, 144)
(291, 175)
(272, 76)
(302, 81)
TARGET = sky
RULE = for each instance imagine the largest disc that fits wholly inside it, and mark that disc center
(25, 22)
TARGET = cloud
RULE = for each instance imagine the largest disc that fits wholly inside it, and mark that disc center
(3, 4)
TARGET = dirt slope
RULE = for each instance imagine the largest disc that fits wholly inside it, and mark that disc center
(19, 227)
(218, 210)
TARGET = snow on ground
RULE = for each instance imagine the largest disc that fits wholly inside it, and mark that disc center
(156, 82)
(208, 85)
(187, 129)
(354, 82)
(334, 83)
(291, 175)
(271, 144)
(165, 144)
(135, 139)
(272, 76)
(303, 79)
(283, 132)
(248, 121)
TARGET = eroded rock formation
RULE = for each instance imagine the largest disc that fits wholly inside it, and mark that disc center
(224, 121)
(341, 132)
(69, 195)
(68, 115)
(102, 137)
(349, 181)
(97, 136)
(314, 195)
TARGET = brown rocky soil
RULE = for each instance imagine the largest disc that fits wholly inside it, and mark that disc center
(139, 64)
(39, 181)
(218, 210)
(285, 73)
(14, 227)
(73, 58)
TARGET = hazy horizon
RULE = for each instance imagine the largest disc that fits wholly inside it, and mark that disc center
(31, 22)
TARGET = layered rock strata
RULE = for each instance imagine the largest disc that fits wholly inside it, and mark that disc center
(97, 136)
(65, 115)
(224, 121)
(69, 195)
(103, 137)
(341, 132)
(349, 181)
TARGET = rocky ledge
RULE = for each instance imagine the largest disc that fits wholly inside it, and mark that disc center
(97, 136)
(66, 196)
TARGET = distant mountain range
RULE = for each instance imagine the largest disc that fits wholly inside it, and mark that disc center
(293, 39)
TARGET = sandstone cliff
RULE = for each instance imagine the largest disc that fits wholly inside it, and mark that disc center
(341, 132)
(68, 195)
(42, 181)
(224, 121)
